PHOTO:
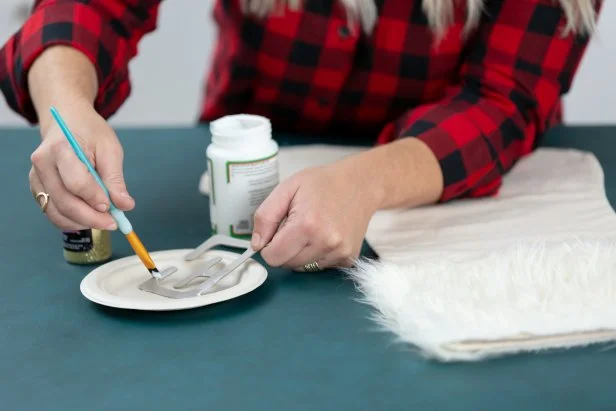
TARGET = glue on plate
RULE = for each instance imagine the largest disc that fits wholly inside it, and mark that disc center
(243, 167)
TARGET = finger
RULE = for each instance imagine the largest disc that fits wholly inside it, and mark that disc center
(326, 257)
(271, 213)
(78, 180)
(51, 211)
(289, 241)
(109, 163)
(309, 254)
(66, 203)
(327, 262)
(60, 221)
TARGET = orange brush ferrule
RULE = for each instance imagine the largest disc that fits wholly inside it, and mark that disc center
(141, 252)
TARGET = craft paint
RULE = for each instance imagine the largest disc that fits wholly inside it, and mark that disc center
(86, 246)
(242, 163)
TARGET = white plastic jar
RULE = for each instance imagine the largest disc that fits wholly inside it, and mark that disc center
(243, 168)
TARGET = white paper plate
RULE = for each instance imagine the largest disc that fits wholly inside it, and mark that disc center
(115, 284)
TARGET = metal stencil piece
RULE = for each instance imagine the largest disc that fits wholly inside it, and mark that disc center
(153, 285)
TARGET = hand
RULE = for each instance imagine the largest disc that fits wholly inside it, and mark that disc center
(326, 211)
(75, 199)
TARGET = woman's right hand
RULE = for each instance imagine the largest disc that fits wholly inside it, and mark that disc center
(75, 199)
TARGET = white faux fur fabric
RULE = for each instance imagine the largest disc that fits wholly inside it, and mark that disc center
(533, 268)
(525, 297)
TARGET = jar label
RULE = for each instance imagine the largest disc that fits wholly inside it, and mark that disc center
(255, 180)
(212, 196)
(78, 241)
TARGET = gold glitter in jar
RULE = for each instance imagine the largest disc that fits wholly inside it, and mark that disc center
(87, 246)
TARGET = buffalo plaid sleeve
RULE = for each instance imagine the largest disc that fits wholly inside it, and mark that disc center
(107, 32)
(517, 67)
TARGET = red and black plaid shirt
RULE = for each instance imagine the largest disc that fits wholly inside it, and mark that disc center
(480, 103)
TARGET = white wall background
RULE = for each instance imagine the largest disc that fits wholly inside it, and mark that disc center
(176, 56)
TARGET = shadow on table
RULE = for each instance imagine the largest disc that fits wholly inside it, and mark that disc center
(220, 311)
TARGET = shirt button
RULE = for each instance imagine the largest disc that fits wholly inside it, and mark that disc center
(344, 32)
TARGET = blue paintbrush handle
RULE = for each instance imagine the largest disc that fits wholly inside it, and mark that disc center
(123, 224)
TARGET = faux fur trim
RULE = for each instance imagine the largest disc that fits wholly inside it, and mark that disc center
(528, 297)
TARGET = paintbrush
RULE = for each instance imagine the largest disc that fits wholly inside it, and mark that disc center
(118, 215)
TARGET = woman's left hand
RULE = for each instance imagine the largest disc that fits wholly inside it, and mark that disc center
(324, 213)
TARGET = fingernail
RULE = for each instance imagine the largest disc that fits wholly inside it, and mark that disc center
(125, 194)
(256, 241)
(112, 226)
(102, 207)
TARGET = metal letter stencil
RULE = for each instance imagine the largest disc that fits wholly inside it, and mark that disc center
(153, 285)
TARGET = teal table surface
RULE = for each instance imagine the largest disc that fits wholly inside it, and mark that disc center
(299, 342)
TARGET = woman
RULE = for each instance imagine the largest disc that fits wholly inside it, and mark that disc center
(453, 92)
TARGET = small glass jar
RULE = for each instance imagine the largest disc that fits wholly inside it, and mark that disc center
(90, 246)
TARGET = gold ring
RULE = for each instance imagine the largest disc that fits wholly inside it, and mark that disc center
(45, 197)
(312, 267)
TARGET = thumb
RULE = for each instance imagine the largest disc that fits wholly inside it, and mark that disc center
(271, 214)
(109, 159)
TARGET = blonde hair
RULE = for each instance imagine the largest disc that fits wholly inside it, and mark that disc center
(580, 14)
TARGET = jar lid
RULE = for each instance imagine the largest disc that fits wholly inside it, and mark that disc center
(240, 126)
